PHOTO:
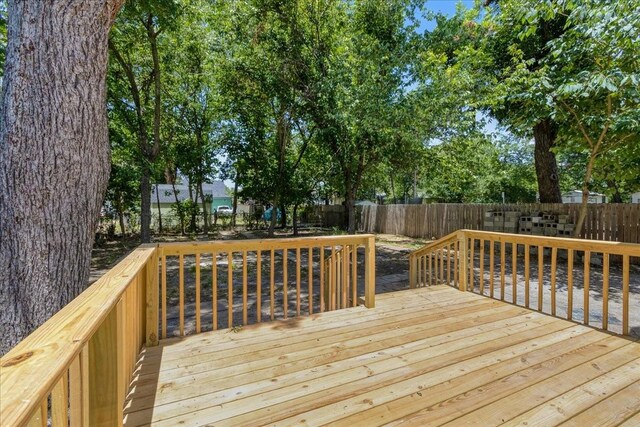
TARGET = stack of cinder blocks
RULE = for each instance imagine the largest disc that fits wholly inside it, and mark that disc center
(511, 219)
(494, 221)
(565, 228)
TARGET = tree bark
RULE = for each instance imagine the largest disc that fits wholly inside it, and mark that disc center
(295, 219)
(545, 133)
(582, 213)
(205, 215)
(160, 230)
(234, 211)
(54, 156)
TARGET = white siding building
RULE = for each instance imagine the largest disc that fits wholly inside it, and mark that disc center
(575, 196)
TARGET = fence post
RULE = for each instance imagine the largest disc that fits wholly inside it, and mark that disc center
(151, 287)
(463, 265)
(370, 273)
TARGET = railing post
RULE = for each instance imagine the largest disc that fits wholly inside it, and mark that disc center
(151, 286)
(412, 271)
(463, 265)
(370, 273)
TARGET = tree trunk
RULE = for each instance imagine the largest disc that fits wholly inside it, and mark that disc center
(159, 210)
(295, 219)
(53, 138)
(145, 205)
(121, 221)
(234, 212)
(545, 133)
(179, 207)
(274, 217)
(192, 210)
(205, 215)
(283, 215)
(350, 206)
(582, 213)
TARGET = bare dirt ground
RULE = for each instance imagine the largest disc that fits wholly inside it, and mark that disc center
(392, 273)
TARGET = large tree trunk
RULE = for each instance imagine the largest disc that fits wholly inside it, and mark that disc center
(545, 133)
(54, 156)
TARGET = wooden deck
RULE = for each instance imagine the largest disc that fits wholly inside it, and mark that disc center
(429, 356)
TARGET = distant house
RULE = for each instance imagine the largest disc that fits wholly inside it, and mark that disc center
(575, 196)
(162, 195)
(635, 197)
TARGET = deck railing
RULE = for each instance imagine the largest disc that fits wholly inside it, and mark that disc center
(261, 279)
(76, 368)
(536, 272)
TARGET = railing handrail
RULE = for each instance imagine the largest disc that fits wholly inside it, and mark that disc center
(614, 248)
(177, 248)
(436, 243)
(29, 370)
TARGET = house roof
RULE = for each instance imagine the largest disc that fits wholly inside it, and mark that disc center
(215, 189)
(579, 193)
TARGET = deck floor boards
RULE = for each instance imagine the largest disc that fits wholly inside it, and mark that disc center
(429, 356)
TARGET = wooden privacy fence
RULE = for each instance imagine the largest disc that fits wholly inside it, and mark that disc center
(610, 222)
(75, 370)
(567, 278)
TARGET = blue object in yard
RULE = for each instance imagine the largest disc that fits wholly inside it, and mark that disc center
(267, 215)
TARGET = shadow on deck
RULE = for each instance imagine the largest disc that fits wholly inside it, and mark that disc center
(427, 356)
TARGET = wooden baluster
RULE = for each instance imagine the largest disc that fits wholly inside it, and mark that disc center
(332, 279)
(605, 291)
(527, 274)
(198, 315)
(514, 272)
(481, 283)
(214, 290)
(322, 278)
(245, 289)
(431, 269)
(285, 280)
(273, 283)
(354, 276)
(554, 263)
(492, 250)
(310, 281)
(75, 392)
(259, 286)
(345, 275)
(587, 279)
(40, 416)
(164, 296)
(503, 267)
(540, 276)
(436, 270)
(181, 292)
(456, 255)
(442, 266)
(59, 402)
(84, 390)
(104, 394)
(625, 295)
(449, 265)
(121, 383)
(298, 278)
(229, 289)
(472, 261)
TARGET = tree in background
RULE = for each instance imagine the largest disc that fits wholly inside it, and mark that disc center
(588, 81)
(135, 88)
(54, 152)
